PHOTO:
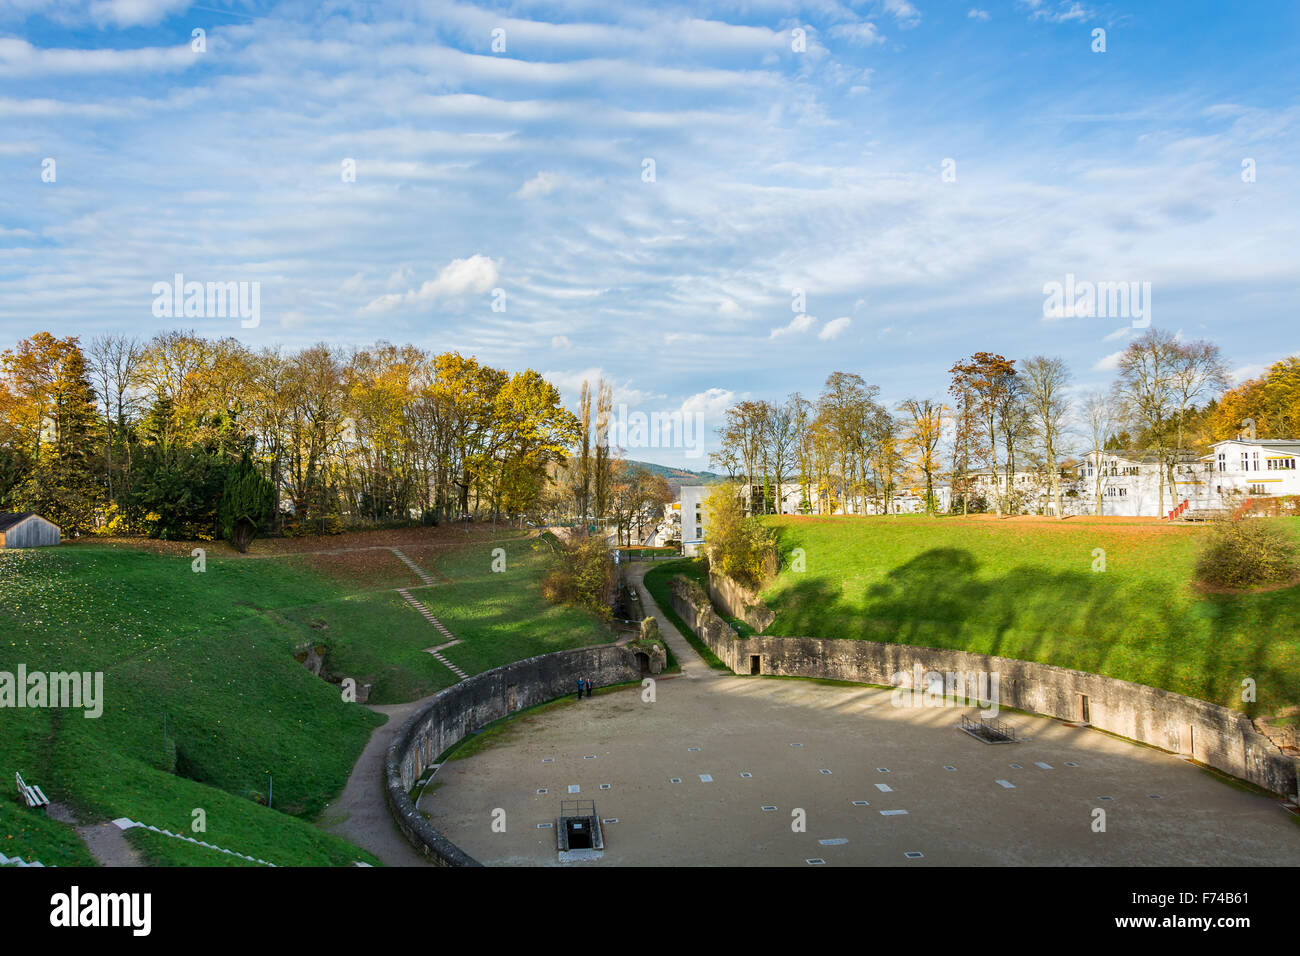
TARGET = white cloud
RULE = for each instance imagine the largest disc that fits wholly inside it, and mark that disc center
(976, 14)
(1122, 332)
(1246, 372)
(20, 58)
(728, 307)
(477, 274)
(540, 185)
(800, 323)
(135, 13)
(1109, 363)
(1064, 11)
(863, 34)
(906, 14)
(834, 327)
(712, 403)
(561, 342)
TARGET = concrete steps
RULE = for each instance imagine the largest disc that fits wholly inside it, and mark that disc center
(18, 861)
(452, 640)
(420, 573)
(125, 823)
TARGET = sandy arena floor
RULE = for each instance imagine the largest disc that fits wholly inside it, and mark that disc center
(708, 730)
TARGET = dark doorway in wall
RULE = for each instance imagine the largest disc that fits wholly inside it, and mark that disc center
(643, 661)
(1084, 716)
(755, 664)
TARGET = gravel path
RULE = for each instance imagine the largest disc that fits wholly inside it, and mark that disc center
(361, 809)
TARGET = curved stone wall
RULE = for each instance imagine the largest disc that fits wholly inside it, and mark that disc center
(1214, 735)
(465, 707)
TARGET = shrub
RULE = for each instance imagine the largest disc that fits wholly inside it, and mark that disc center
(739, 547)
(585, 576)
(1246, 552)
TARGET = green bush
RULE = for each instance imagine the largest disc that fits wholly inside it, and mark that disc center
(585, 577)
(739, 547)
(1246, 552)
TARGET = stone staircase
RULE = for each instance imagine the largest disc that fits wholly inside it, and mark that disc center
(452, 640)
(419, 572)
(18, 861)
(125, 823)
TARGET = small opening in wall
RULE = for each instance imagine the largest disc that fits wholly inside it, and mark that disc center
(755, 664)
(1084, 716)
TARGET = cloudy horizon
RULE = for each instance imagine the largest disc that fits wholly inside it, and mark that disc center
(700, 203)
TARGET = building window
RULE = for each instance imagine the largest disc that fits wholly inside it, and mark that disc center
(1281, 464)
(1223, 461)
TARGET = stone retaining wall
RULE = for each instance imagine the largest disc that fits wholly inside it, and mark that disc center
(463, 708)
(1214, 735)
(738, 602)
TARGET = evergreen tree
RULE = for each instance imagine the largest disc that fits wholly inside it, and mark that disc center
(247, 503)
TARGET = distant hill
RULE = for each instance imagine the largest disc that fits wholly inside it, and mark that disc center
(677, 476)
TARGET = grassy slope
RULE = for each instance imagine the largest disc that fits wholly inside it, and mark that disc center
(211, 652)
(499, 616)
(199, 649)
(1027, 590)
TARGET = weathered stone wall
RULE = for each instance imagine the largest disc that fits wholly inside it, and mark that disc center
(465, 707)
(739, 602)
(1214, 735)
(691, 602)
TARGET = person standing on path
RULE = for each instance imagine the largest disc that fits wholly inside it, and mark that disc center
(581, 684)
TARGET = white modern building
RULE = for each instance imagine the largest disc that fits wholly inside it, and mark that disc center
(691, 516)
(1252, 468)
(1131, 485)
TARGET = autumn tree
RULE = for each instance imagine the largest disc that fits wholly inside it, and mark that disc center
(49, 407)
(984, 385)
(922, 433)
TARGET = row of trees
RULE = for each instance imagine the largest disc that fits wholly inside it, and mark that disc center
(133, 436)
(847, 451)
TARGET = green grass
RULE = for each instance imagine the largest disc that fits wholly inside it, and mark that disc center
(1027, 590)
(656, 582)
(31, 835)
(209, 657)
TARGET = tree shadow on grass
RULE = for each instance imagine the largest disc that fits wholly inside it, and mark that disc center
(1104, 623)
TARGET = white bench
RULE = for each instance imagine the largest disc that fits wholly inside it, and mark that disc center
(32, 794)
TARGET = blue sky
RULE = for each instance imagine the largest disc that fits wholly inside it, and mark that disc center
(820, 170)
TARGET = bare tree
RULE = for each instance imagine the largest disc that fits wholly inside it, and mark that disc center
(584, 453)
(1161, 382)
(113, 362)
(1099, 420)
(782, 438)
(603, 467)
(1046, 382)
